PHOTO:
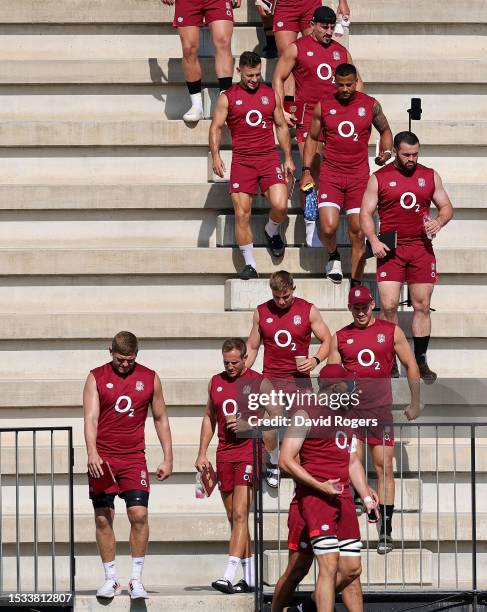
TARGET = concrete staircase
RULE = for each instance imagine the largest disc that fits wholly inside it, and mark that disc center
(112, 219)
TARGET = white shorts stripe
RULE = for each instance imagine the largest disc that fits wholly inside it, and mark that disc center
(323, 204)
(353, 211)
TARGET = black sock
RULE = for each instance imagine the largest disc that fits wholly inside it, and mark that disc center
(354, 282)
(334, 256)
(194, 87)
(270, 39)
(420, 348)
(225, 83)
(288, 98)
(387, 520)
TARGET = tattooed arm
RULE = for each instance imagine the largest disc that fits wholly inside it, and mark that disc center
(382, 126)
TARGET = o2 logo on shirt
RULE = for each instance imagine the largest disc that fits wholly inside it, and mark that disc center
(366, 358)
(254, 118)
(288, 340)
(325, 73)
(346, 129)
(341, 440)
(233, 407)
(124, 405)
(408, 201)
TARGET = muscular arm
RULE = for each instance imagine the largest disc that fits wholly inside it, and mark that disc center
(406, 357)
(445, 209)
(311, 144)
(322, 333)
(358, 478)
(253, 341)
(367, 210)
(334, 356)
(91, 413)
(215, 134)
(381, 124)
(284, 139)
(163, 430)
(208, 425)
(360, 83)
(283, 69)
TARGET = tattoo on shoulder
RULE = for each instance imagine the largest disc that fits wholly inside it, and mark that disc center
(377, 110)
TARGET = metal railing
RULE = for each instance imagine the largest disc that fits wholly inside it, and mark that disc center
(439, 496)
(37, 563)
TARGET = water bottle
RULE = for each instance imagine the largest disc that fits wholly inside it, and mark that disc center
(199, 490)
(341, 28)
(427, 218)
(310, 202)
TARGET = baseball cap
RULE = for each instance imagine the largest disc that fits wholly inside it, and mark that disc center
(360, 294)
(324, 14)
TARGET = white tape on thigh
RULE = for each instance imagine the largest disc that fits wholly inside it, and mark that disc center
(350, 548)
(324, 544)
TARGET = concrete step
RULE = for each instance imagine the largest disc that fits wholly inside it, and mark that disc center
(172, 261)
(373, 565)
(197, 326)
(126, 132)
(154, 68)
(151, 11)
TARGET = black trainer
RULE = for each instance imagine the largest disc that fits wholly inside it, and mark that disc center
(224, 586)
(385, 544)
(242, 587)
(248, 272)
(276, 245)
(270, 51)
(426, 374)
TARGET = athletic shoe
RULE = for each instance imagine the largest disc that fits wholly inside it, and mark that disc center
(395, 369)
(385, 544)
(333, 271)
(359, 506)
(194, 114)
(308, 605)
(137, 590)
(247, 273)
(426, 374)
(272, 475)
(242, 587)
(224, 586)
(276, 245)
(109, 589)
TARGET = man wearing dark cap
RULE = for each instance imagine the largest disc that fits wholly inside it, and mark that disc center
(312, 60)
(366, 347)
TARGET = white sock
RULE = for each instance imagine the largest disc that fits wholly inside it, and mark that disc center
(316, 242)
(231, 569)
(137, 567)
(274, 455)
(272, 228)
(197, 100)
(248, 571)
(110, 570)
(310, 230)
(247, 251)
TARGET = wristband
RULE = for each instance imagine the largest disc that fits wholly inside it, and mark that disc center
(306, 168)
(317, 360)
(388, 151)
(368, 500)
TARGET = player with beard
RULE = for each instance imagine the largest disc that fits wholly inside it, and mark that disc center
(226, 409)
(402, 193)
(116, 398)
(322, 520)
(366, 348)
(312, 60)
(344, 119)
(251, 112)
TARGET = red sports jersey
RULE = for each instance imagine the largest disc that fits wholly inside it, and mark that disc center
(325, 453)
(124, 401)
(251, 119)
(369, 353)
(404, 201)
(314, 69)
(285, 334)
(346, 129)
(230, 396)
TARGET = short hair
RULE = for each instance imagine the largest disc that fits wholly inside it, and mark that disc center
(125, 343)
(344, 70)
(281, 280)
(249, 59)
(238, 344)
(324, 14)
(406, 137)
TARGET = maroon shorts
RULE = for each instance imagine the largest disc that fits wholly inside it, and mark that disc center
(247, 173)
(331, 520)
(294, 15)
(410, 263)
(201, 12)
(381, 436)
(130, 472)
(233, 474)
(342, 191)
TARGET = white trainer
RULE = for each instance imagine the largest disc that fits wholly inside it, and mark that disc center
(195, 113)
(333, 271)
(137, 590)
(109, 589)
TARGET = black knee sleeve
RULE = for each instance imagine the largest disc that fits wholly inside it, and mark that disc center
(135, 498)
